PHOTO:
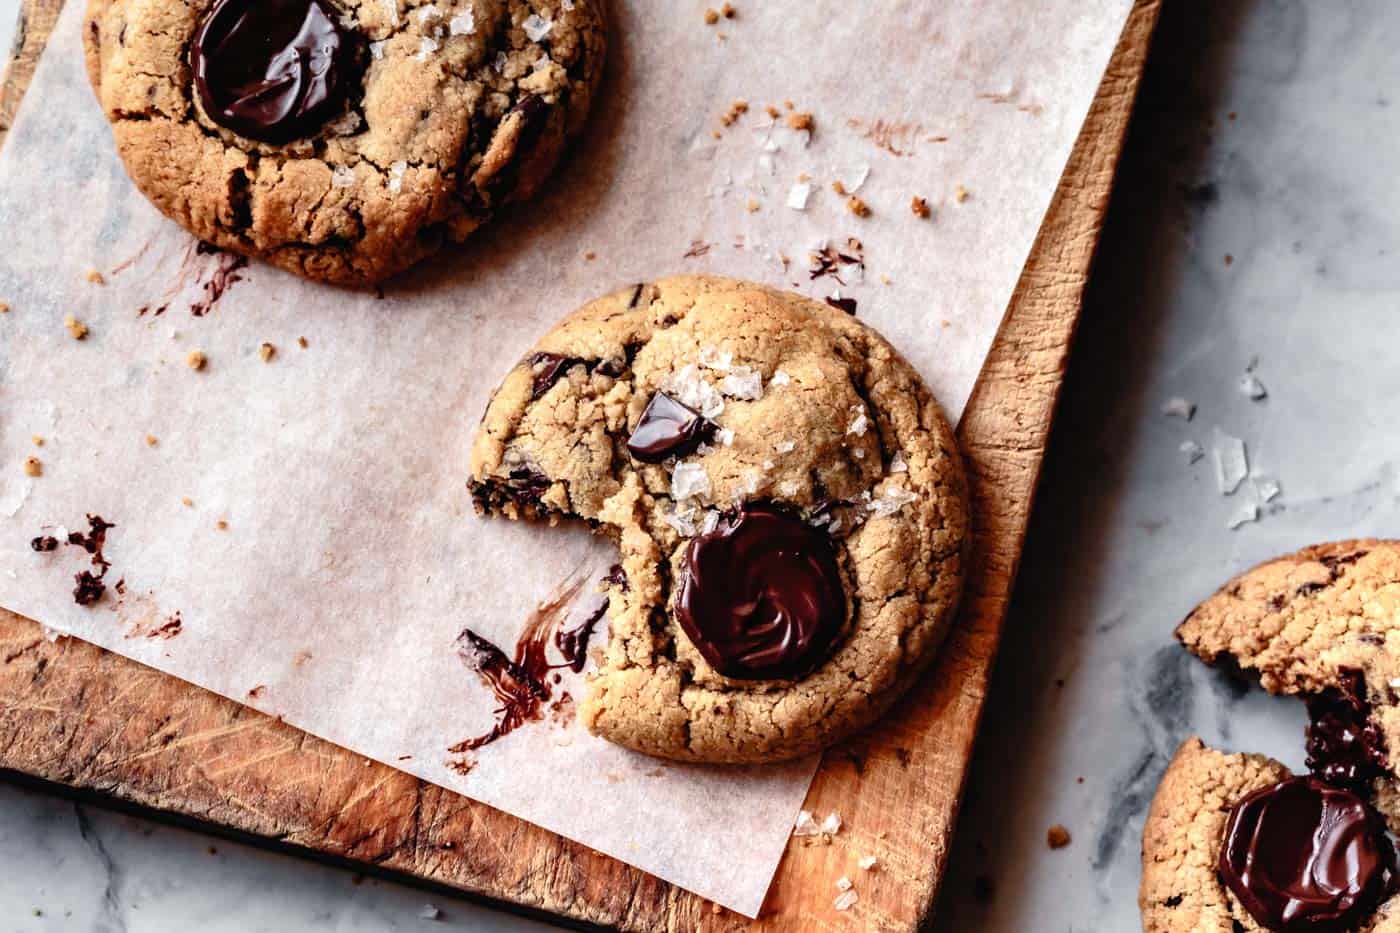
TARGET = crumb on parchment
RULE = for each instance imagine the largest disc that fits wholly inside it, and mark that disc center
(857, 206)
(735, 111)
(920, 207)
(76, 328)
(4, 308)
(196, 360)
(301, 342)
(151, 440)
(186, 501)
(38, 440)
(33, 466)
(221, 524)
(711, 16)
(1057, 837)
(961, 194)
(800, 120)
(95, 277)
(266, 352)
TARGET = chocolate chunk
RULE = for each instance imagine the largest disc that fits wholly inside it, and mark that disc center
(668, 429)
(44, 543)
(274, 70)
(844, 304)
(548, 367)
(762, 596)
(89, 588)
(1345, 747)
(1301, 855)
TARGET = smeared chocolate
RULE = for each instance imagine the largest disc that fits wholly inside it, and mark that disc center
(830, 261)
(274, 70)
(668, 429)
(227, 272)
(44, 543)
(89, 586)
(762, 596)
(1301, 855)
(522, 685)
(1345, 746)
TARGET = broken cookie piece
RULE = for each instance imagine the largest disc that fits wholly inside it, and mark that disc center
(786, 576)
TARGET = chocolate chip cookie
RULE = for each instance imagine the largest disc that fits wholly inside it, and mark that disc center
(1237, 843)
(787, 497)
(344, 140)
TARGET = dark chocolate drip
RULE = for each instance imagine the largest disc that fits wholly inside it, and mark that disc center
(274, 70)
(573, 642)
(762, 596)
(668, 429)
(1345, 746)
(1303, 856)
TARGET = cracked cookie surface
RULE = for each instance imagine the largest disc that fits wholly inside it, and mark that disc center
(1181, 890)
(1323, 624)
(458, 107)
(792, 405)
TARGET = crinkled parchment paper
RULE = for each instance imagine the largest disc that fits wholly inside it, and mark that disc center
(351, 558)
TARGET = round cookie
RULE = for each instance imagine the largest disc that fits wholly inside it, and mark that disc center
(1323, 624)
(786, 494)
(343, 140)
(1192, 818)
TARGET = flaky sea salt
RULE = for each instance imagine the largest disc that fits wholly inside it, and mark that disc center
(725, 436)
(1267, 488)
(376, 49)
(500, 63)
(788, 488)
(1178, 407)
(714, 358)
(867, 862)
(396, 173)
(427, 45)
(689, 386)
(805, 825)
(52, 634)
(898, 464)
(843, 883)
(682, 521)
(343, 176)
(853, 177)
(709, 522)
(391, 10)
(1246, 513)
(463, 24)
(784, 447)
(832, 824)
(567, 5)
(767, 165)
(428, 14)
(1251, 387)
(536, 27)
(429, 912)
(894, 499)
(859, 422)
(689, 480)
(1192, 450)
(1231, 462)
(780, 378)
(543, 62)
(742, 383)
(798, 195)
(845, 900)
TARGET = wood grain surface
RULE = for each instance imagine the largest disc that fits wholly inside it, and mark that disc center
(78, 716)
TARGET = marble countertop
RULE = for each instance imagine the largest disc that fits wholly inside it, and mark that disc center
(1252, 225)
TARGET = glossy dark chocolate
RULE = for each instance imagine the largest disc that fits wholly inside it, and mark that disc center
(274, 70)
(762, 597)
(668, 429)
(1302, 855)
(1345, 747)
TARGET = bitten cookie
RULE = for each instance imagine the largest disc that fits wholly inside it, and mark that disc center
(788, 500)
(1236, 843)
(1323, 624)
(344, 140)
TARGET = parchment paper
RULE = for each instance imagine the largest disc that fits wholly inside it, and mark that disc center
(351, 558)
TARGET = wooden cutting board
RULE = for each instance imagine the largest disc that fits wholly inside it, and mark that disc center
(77, 716)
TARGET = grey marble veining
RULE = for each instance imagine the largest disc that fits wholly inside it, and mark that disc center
(1265, 133)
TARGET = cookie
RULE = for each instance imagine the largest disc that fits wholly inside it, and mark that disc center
(343, 140)
(1235, 843)
(1323, 624)
(787, 497)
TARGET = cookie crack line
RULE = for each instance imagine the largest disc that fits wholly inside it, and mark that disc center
(551, 445)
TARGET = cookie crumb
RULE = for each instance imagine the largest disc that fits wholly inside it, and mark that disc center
(961, 194)
(1229, 260)
(589, 256)
(266, 352)
(857, 206)
(735, 111)
(76, 328)
(772, 111)
(301, 342)
(728, 11)
(1057, 837)
(38, 440)
(716, 909)
(800, 120)
(711, 16)
(221, 524)
(151, 440)
(920, 208)
(4, 308)
(187, 501)
(752, 206)
(196, 360)
(838, 187)
(95, 277)
(33, 466)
